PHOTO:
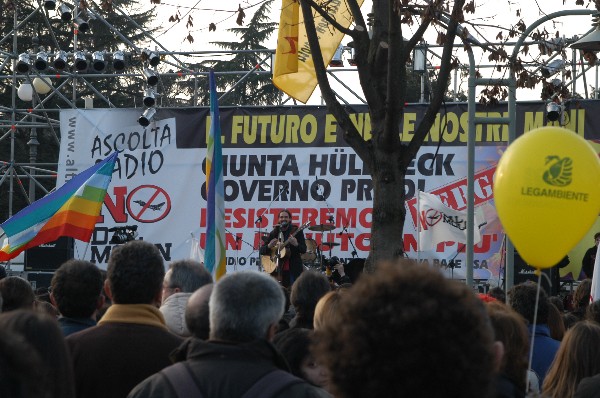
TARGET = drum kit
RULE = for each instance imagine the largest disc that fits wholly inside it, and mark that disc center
(313, 258)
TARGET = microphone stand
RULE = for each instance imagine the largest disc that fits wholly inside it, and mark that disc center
(238, 244)
(260, 218)
(345, 230)
(452, 264)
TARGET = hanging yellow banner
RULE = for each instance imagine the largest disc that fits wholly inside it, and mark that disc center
(294, 71)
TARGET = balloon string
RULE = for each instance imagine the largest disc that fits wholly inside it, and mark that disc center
(535, 311)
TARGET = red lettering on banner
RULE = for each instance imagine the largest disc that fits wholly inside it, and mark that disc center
(116, 208)
(241, 217)
(347, 217)
(454, 195)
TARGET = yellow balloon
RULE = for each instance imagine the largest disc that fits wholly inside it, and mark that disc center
(547, 193)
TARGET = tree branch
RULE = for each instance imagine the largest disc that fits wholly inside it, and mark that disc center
(351, 134)
(396, 82)
(443, 77)
(329, 18)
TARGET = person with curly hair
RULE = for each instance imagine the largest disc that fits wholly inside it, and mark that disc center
(406, 331)
(578, 357)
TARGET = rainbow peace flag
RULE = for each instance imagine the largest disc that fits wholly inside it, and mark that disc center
(72, 210)
(214, 255)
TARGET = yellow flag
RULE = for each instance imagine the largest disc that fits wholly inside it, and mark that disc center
(294, 71)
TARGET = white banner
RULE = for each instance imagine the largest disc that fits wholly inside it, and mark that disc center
(159, 183)
(439, 223)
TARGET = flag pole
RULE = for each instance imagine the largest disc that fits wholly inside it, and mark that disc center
(418, 225)
(595, 290)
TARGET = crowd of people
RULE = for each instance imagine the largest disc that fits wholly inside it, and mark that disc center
(405, 330)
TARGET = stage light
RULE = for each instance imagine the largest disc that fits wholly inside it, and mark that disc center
(118, 61)
(591, 42)
(42, 85)
(552, 68)
(151, 56)
(25, 92)
(146, 117)
(60, 60)
(337, 61)
(420, 59)
(80, 61)
(49, 4)
(81, 25)
(41, 61)
(98, 61)
(123, 234)
(553, 111)
(23, 63)
(151, 77)
(65, 12)
(149, 97)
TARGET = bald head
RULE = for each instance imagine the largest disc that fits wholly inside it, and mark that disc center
(196, 312)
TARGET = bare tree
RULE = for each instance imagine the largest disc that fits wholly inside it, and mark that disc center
(381, 62)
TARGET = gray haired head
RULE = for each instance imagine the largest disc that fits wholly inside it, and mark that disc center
(243, 306)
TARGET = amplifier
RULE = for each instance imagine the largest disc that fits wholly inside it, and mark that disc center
(49, 256)
(523, 272)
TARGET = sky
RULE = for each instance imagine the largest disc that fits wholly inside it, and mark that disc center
(492, 13)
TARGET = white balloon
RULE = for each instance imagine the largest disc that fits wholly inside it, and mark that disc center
(42, 85)
(25, 92)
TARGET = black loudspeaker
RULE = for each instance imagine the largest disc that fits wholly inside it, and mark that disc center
(40, 279)
(523, 272)
(49, 256)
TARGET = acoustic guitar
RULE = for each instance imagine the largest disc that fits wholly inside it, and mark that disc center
(270, 261)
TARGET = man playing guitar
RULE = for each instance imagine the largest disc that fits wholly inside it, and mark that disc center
(290, 263)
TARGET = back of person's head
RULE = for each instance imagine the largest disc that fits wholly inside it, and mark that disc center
(197, 312)
(569, 320)
(187, 276)
(327, 308)
(295, 346)
(135, 273)
(3, 273)
(306, 292)
(44, 335)
(577, 357)
(498, 293)
(375, 348)
(555, 322)
(245, 306)
(21, 368)
(76, 288)
(592, 312)
(558, 302)
(581, 297)
(16, 293)
(510, 328)
(522, 299)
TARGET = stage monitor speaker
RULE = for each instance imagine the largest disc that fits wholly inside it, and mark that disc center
(523, 273)
(40, 279)
(49, 256)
